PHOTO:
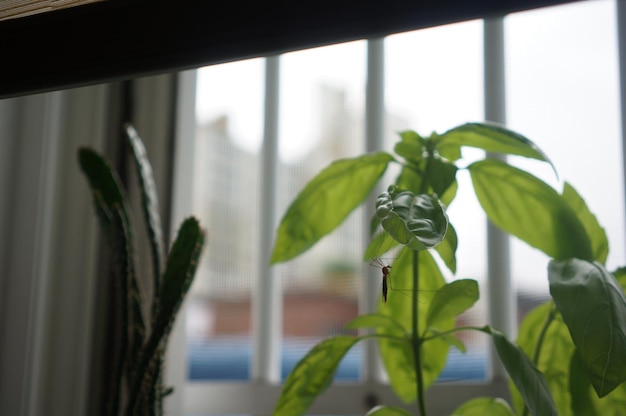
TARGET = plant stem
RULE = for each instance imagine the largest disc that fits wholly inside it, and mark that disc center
(539, 344)
(417, 343)
(542, 334)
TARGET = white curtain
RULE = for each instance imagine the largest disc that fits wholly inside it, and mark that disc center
(51, 315)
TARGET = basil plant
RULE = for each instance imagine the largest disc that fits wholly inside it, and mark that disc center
(571, 351)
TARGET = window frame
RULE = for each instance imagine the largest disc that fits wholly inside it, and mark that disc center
(158, 37)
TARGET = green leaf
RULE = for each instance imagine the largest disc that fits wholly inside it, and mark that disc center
(620, 275)
(312, 375)
(529, 381)
(441, 175)
(482, 406)
(553, 361)
(489, 137)
(417, 221)
(411, 151)
(593, 306)
(452, 300)
(379, 245)
(104, 182)
(447, 248)
(449, 195)
(387, 411)
(597, 235)
(448, 338)
(376, 320)
(179, 271)
(528, 208)
(177, 278)
(326, 201)
(398, 355)
(149, 201)
(584, 399)
(411, 136)
(409, 178)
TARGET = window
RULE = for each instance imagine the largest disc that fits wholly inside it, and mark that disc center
(561, 91)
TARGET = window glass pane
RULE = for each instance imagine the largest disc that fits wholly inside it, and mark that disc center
(321, 120)
(434, 82)
(563, 93)
(229, 131)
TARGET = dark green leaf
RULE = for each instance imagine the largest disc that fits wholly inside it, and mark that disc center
(149, 201)
(593, 306)
(417, 221)
(376, 320)
(441, 175)
(452, 300)
(483, 406)
(582, 394)
(326, 201)
(620, 275)
(597, 235)
(409, 179)
(553, 360)
(447, 248)
(177, 278)
(111, 208)
(387, 411)
(584, 399)
(489, 137)
(398, 355)
(312, 375)
(179, 271)
(528, 208)
(529, 381)
(104, 183)
(450, 193)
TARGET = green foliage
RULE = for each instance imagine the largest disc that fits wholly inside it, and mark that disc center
(326, 201)
(529, 381)
(570, 352)
(312, 375)
(387, 411)
(593, 307)
(416, 221)
(398, 354)
(482, 406)
(544, 319)
(135, 386)
(452, 300)
(530, 209)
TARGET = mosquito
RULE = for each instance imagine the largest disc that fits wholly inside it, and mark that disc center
(377, 262)
(387, 285)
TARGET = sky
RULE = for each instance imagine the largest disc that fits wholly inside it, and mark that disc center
(562, 93)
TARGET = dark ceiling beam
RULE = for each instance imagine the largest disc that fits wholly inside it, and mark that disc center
(121, 39)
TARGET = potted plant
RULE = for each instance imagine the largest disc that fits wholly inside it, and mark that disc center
(140, 326)
(570, 355)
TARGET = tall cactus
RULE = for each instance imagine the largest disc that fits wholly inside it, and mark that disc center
(135, 385)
